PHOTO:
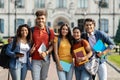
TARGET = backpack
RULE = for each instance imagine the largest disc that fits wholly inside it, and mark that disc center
(4, 58)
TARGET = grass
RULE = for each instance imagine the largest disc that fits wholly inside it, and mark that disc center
(115, 59)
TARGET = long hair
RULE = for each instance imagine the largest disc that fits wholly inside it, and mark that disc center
(29, 36)
(68, 36)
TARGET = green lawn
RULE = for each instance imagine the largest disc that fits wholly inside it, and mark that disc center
(115, 58)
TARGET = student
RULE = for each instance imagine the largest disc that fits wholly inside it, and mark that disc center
(93, 36)
(19, 56)
(41, 36)
(63, 52)
(80, 72)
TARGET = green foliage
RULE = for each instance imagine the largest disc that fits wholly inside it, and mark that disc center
(117, 36)
(1, 39)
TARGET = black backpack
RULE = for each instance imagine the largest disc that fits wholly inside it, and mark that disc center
(4, 58)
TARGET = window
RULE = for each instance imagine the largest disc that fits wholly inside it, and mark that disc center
(72, 24)
(39, 3)
(18, 23)
(1, 3)
(49, 24)
(104, 4)
(60, 23)
(104, 25)
(81, 24)
(20, 3)
(61, 3)
(1, 25)
(29, 22)
(82, 3)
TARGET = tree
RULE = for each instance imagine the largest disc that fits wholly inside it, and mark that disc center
(117, 36)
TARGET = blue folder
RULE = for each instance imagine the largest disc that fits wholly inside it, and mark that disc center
(65, 65)
(99, 46)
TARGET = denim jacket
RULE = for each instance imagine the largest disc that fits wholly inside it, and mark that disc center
(14, 61)
(102, 36)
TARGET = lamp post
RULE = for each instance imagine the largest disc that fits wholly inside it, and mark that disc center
(8, 18)
(99, 3)
(15, 3)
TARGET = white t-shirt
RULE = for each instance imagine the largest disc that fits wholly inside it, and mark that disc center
(24, 48)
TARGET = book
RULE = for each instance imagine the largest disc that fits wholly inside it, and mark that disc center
(99, 46)
(80, 52)
(65, 65)
(41, 49)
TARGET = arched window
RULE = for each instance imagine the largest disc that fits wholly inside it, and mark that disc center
(1, 25)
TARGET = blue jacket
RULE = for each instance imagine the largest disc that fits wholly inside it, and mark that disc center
(102, 36)
(13, 59)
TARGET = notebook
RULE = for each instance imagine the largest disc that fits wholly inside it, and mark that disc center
(65, 65)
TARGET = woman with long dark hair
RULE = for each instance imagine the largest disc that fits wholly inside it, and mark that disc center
(63, 52)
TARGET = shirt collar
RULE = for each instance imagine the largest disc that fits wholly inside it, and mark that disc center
(91, 34)
(37, 27)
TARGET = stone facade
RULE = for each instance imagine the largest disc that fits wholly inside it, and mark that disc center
(70, 14)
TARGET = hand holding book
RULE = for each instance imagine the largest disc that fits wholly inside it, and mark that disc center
(80, 55)
(42, 51)
(99, 47)
(81, 59)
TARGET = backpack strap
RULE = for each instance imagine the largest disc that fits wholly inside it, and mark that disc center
(48, 31)
(32, 29)
(14, 43)
(59, 39)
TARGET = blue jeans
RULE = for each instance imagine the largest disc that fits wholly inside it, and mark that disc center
(81, 73)
(20, 72)
(40, 69)
(102, 71)
(62, 75)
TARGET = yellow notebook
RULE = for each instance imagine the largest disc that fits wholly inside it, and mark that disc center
(80, 52)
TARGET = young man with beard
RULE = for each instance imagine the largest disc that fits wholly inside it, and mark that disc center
(41, 36)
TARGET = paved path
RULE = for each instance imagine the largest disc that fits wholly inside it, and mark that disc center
(112, 73)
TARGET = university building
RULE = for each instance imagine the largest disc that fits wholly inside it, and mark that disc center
(106, 13)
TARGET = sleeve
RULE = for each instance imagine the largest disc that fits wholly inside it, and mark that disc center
(106, 39)
(85, 43)
(55, 39)
(9, 51)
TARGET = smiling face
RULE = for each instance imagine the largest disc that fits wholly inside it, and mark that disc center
(64, 30)
(41, 20)
(76, 34)
(24, 32)
(89, 27)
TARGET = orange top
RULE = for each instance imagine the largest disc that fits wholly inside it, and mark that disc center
(82, 43)
(41, 36)
(64, 51)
